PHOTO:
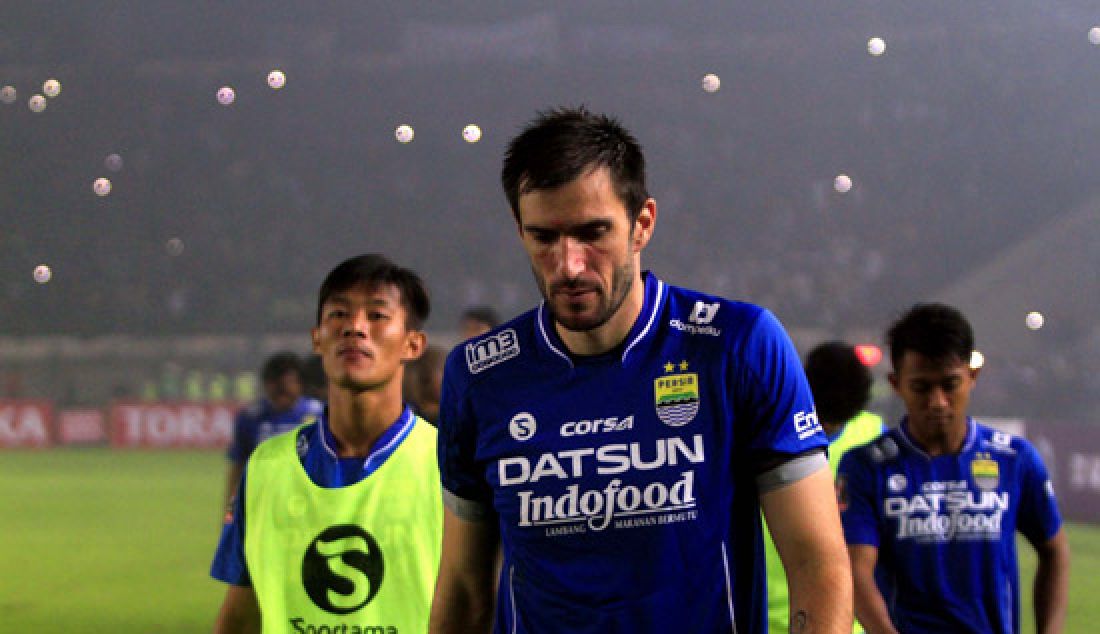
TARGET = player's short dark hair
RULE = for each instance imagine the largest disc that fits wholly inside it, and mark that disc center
(279, 364)
(936, 331)
(371, 271)
(562, 144)
(482, 314)
(840, 382)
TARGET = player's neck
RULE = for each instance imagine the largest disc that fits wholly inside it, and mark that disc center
(940, 441)
(605, 337)
(358, 419)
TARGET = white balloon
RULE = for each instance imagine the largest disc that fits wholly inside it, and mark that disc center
(842, 183)
(101, 187)
(42, 274)
(876, 46)
(37, 103)
(226, 95)
(51, 88)
(404, 133)
(1034, 320)
(8, 94)
(1094, 35)
(711, 82)
(471, 133)
(276, 79)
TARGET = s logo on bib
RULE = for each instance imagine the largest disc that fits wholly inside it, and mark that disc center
(342, 569)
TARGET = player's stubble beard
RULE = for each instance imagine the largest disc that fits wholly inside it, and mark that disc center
(622, 280)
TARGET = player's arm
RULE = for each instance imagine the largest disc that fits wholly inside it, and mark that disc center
(870, 606)
(1052, 584)
(805, 525)
(465, 590)
(240, 612)
(232, 481)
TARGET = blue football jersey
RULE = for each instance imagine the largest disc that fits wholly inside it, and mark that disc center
(259, 421)
(945, 526)
(626, 485)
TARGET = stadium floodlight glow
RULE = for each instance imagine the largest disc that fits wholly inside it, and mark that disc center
(1034, 320)
(869, 354)
(711, 82)
(977, 359)
(226, 96)
(404, 133)
(42, 274)
(842, 183)
(876, 46)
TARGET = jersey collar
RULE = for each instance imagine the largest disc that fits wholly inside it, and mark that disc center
(386, 444)
(968, 443)
(642, 330)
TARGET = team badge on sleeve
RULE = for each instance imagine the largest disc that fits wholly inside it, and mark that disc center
(676, 396)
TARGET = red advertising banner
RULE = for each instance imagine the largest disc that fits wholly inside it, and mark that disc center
(81, 427)
(172, 425)
(1072, 456)
(25, 423)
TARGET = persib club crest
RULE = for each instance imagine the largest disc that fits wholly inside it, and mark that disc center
(676, 396)
(986, 472)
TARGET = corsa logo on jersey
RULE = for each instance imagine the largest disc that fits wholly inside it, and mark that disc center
(597, 426)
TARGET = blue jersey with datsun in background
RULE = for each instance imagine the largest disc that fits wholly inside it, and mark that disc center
(624, 484)
(945, 526)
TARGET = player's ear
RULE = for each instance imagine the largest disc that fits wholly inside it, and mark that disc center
(315, 338)
(893, 378)
(416, 342)
(644, 225)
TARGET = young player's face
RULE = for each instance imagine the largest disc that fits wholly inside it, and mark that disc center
(583, 248)
(936, 392)
(363, 339)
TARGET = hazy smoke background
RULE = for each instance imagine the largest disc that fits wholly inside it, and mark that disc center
(971, 144)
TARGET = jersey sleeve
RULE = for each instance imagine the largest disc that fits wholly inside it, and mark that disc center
(1038, 518)
(244, 438)
(465, 491)
(775, 395)
(229, 564)
(855, 492)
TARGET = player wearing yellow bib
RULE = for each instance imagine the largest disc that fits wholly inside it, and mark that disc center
(841, 386)
(337, 526)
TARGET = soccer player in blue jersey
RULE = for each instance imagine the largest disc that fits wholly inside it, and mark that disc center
(609, 451)
(282, 408)
(337, 525)
(936, 502)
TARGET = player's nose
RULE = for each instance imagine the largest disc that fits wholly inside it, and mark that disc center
(572, 257)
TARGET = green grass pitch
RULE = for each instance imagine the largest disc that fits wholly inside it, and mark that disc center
(93, 540)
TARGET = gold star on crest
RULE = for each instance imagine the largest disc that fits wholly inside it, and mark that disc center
(683, 365)
(669, 367)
